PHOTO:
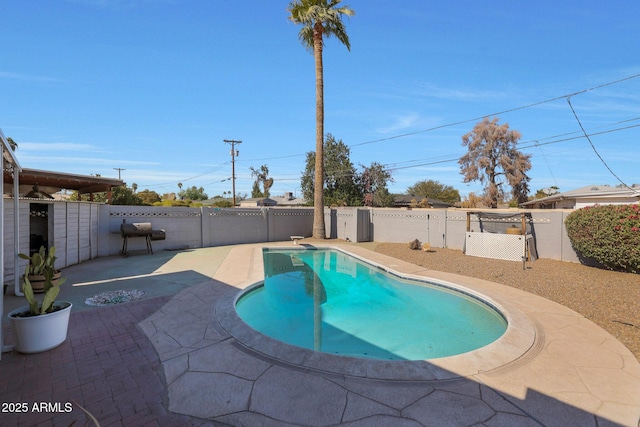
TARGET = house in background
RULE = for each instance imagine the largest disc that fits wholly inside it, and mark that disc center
(587, 196)
(257, 202)
(287, 200)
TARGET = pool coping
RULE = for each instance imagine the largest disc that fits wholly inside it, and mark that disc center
(518, 339)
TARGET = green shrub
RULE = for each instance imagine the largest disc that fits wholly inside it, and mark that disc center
(174, 203)
(222, 204)
(608, 235)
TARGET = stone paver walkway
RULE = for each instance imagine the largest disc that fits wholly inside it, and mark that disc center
(106, 365)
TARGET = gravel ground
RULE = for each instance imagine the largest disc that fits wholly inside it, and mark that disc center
(607, 298)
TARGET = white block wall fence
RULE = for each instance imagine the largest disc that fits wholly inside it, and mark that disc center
(84, 230)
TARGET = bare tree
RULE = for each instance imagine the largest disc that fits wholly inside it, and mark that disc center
(261, 176)
(373, 181)
(492, 153)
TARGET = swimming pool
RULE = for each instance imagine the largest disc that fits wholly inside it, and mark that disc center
(328, 301)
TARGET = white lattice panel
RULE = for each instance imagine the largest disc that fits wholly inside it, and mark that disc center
(509, 247)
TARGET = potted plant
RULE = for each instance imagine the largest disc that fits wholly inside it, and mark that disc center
(41, 326)
(38, 263)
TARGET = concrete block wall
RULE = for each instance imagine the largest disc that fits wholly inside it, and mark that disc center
(287, 222)
(456, 227)
(446, 228)
(567, 251)
(230, 226)
(341, 223)
(202, 227)
(85, 230)
(183, 227)
(403, 225)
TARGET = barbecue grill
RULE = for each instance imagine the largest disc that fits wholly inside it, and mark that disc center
(139, 229)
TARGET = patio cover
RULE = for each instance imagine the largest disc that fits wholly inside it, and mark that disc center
(52, 182)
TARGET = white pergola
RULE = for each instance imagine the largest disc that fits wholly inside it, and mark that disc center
(9, 163)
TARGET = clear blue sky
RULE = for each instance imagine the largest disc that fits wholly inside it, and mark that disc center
(155, 86)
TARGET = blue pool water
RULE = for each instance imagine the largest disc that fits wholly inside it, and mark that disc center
(328, 301)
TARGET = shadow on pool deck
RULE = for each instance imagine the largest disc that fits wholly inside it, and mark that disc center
(159, 274)
(106, 364)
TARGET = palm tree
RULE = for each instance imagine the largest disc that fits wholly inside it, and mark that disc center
(319, 18)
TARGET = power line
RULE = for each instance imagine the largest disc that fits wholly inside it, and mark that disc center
(208, 171)
(594, 147)
(537, 143)
(275, 158)
(217, 182)
(547, 163)
(390, 167)
(566, 96)
(535, 104)
(532, 144)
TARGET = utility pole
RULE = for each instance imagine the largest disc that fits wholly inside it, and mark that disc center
(234, 154)
(119, 170)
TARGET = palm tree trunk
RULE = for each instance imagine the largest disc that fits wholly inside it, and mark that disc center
(318, 190)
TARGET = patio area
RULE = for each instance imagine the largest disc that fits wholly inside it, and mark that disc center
(179, 357)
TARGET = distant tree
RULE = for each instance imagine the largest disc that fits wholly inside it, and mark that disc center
(520, 191)
(223, 203)
(175, 203)
(434, 190)
(193, 193)
(134, 187)
(473, 201)
(340, 178)
(492, 153)
(261, 176)
(148, 197)
(256, 193)
(383, 198)
(373, 182)
(97, 197)
(319, 18)
(546, 192)
(124, 195)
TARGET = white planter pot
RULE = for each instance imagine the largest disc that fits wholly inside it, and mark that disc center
(40, 333)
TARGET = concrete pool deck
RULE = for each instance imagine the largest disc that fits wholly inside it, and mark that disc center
(561, 369)
(558, 368)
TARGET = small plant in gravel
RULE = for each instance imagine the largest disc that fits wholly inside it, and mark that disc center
(608, 235)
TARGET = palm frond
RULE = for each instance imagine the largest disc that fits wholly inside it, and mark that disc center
(309, 13)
